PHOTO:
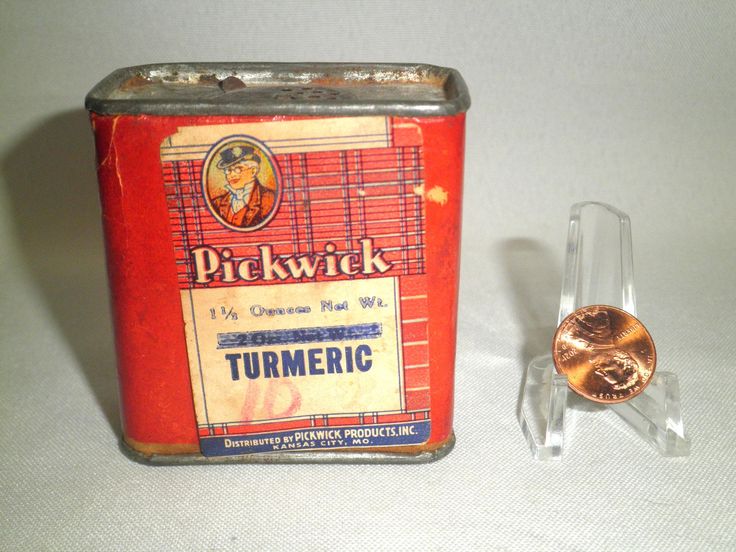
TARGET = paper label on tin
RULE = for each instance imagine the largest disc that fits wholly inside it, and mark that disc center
(300, 259)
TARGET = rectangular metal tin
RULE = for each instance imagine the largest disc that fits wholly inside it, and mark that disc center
(134, 109)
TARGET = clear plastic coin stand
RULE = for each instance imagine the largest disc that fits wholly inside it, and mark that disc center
(599, 270)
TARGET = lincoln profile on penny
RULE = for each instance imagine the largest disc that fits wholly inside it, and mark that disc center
(246, 202)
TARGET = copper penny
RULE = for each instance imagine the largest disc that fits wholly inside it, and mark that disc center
(606, 353)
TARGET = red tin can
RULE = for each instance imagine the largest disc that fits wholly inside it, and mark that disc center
(283, 249)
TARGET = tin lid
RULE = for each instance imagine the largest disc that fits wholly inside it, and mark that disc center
(280, 89)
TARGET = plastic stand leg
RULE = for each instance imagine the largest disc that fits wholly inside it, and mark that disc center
(599, 270)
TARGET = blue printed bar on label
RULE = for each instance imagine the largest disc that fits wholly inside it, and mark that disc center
(257, 338)
(409, 433)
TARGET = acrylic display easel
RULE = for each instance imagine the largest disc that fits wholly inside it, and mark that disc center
(598, 271)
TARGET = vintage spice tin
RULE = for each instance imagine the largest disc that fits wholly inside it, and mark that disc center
(282, 245)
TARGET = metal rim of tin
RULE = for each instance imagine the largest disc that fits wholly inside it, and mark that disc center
(456, 99)
(337, 457)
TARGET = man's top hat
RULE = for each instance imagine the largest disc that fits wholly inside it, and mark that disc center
(235, 154)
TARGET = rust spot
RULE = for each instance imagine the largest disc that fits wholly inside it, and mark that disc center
(136, 81)
(208, 79)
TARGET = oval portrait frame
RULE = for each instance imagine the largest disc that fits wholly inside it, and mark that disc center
(266, 156)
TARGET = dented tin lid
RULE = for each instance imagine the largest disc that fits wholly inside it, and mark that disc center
(281, 89)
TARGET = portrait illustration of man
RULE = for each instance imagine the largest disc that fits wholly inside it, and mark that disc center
(245, 203)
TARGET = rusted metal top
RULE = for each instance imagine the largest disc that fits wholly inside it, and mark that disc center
(415, 90)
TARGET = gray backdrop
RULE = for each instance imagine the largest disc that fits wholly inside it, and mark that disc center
(631, 103)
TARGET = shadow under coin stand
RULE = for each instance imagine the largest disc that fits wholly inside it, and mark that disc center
(598, 271)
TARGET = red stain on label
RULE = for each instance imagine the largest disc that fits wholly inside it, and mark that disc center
(279, 400)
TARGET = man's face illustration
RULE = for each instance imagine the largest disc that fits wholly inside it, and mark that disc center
(240, 174)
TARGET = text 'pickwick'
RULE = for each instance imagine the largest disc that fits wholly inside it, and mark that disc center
(211, 264)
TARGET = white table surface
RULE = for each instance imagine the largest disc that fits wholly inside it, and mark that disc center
(632, 103)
